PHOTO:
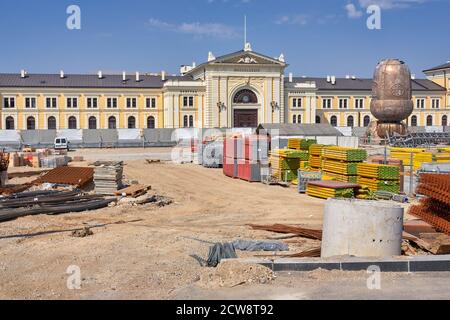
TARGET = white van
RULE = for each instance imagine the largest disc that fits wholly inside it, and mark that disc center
(61, 144)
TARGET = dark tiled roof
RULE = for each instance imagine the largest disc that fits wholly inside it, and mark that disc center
(84, 81)
(363, 84)
(442, 66)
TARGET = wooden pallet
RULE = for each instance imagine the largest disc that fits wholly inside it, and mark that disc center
(133, 191)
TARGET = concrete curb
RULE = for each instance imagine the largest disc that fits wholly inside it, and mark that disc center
(439, 263)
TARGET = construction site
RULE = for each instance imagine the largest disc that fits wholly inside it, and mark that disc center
(223, 216)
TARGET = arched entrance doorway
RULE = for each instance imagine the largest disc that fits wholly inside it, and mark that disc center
(245, 109)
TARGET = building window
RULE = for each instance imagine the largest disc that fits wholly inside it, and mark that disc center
(150, 103)
(30, 103)
(435, 103)
(245, 96)
(297, 103)
(366, 121)
(444, 121)
(72, 122)
(414, 121)
(72, 103)
(420, 103)
(333, 121)
(326, 103)
(31, 123)
(9, 123)
(191, 121)
(92, 123)
(51, 103)
(51, 123)
(9, 103)
(343, 103)
(111, 103)
(92, 103)
(131, 122)
(359, 103)
(294, 118)
(188, 102)
(185, 121)
(318, 119)
(350, 121)
(429, 121)
(151, 122)
(112, 124)
(131, 103)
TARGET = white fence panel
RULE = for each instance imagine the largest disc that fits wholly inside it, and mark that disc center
(71, 134)
(129, 134)
(10, 136)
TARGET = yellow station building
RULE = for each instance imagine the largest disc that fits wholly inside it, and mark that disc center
(241, 89)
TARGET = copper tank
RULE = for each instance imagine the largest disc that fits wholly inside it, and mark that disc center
(391, 92)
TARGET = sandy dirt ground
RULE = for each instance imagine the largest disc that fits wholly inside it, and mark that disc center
(144, 252)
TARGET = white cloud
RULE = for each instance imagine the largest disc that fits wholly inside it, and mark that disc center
(195, 28)
(352, 12)
(391, 4)
(299, 19)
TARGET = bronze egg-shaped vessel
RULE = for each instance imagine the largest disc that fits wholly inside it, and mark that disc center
(391, 91)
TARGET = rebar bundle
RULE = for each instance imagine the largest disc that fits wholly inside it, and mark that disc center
(435, 209)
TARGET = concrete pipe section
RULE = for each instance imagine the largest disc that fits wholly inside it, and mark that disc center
(362, 228)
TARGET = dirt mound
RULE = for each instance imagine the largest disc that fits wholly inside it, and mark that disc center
(231, 274)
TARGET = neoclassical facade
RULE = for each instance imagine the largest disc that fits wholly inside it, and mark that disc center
(241, 89)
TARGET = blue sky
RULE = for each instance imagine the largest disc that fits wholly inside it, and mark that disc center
(318, 37)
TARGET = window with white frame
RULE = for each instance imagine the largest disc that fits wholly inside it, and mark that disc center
(297, 102)
(343, 103)
(150, 103)
(72, 103)
(359, 103)
(326, 103)
(51, 102)
(188, 102)
(30, 103)
(92, 103)
(111, 103)
(131, 103)
(9, 102)
(420, 103)
(435, 103)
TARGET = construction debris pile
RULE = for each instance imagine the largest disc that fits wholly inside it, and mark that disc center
(108, 177)
(435, 208)
(39, 158)
(49, 202)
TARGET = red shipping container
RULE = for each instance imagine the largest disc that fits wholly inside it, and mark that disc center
(230, 167)
(256, 148)
(249, 171)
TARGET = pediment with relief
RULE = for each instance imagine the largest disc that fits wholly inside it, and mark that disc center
(247, 58)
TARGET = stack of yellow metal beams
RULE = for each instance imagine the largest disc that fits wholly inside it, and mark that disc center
(315, 156)
(300, 144)
(420, 156)
(341, 163)
(286, 162)
(443, 155)
(379, 177)
(331, 189)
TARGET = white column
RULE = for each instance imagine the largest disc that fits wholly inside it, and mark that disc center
(176, 111)
(224, 99)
